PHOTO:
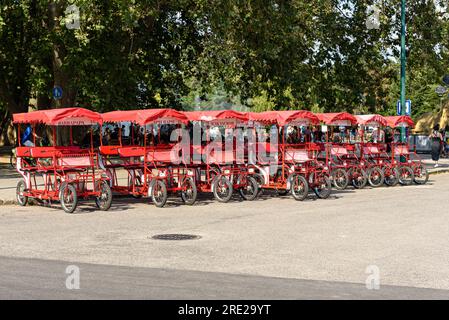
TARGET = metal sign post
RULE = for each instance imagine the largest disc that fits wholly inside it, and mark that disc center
(403, 63)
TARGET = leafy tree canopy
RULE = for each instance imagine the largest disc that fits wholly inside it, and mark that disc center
(274, 54)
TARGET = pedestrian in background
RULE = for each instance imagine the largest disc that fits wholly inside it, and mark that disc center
(436, 141)
(444, 142)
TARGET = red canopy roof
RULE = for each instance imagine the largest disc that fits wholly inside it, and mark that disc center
(120, 116)
(371, 119)
(283, 118)
(337, 118)
(216, 115)
(143, 117)
(60, 117)
(161, 116)
(399, 121)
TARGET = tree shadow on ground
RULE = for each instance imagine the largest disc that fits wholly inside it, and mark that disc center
(6, 172)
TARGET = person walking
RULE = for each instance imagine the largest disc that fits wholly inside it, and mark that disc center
(444, 142)
(436, 140)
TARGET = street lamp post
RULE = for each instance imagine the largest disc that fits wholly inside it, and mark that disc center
(403, 62)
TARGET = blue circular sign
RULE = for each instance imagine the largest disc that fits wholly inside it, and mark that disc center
(57, 92)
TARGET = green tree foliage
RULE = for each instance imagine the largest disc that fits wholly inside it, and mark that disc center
(271, 54)
(321, 55)
(125, 53)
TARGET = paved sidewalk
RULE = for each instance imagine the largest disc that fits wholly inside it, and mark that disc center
(9, 177)
(443, 164)
(8, 181)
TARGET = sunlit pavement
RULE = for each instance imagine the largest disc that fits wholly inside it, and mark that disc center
(402, 232)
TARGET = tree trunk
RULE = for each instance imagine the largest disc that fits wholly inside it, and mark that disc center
(61, 77)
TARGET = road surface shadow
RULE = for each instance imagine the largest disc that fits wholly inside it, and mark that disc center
(25, 278)
(6, 172)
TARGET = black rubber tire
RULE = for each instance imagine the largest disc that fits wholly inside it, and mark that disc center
(358, 177)
(324, 191)
(406, 176)
(251, 186)
(420, 174)
(189, 195)
(340, 178)
(21, 199)
(222, 183)
(375, 172)
(260, 181)
(158, 193)
(391, 176)
(104, 201)
(63, 198)
(299, 194)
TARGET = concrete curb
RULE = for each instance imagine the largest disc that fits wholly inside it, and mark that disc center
(7, 202)
(439, 171)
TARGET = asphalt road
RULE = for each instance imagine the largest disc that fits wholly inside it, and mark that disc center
(46, 279)
(271, 248)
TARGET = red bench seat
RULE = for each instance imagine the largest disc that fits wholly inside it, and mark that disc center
(109, 150)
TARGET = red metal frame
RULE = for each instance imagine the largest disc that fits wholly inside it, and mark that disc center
(58, 165)
(401, 154)
(223, 165)
(115, 157)
(148, 163)
(293, 158)
(374, 154)
(342, 155)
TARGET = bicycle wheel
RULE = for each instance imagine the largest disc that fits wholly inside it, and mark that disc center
(158, 193)
(340, 178)
(20, 189)
(104, 200)
(420, 174)
(323, 188)
(260, 181)
(68, 198)
(406, 176)
(222, 189)
(359, 178)
(375, 177)
(391, 176)
(189, 191)
(299, 187)
(250, 190)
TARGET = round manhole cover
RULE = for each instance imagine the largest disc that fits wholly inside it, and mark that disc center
(175, 236)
